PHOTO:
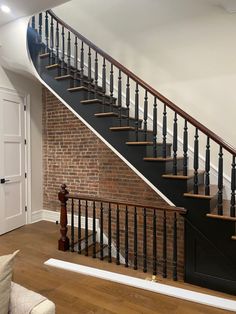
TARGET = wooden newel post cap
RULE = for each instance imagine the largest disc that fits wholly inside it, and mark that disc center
(62, 194)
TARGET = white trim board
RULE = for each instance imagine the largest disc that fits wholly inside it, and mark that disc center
(50, 215)
(170, 291)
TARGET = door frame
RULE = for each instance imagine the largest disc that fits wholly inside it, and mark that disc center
(26, 104)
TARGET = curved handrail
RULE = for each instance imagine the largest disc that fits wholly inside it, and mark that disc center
(147, 87)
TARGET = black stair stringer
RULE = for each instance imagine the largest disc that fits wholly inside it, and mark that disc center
(219, 250)
(134, 155)
(205, 264)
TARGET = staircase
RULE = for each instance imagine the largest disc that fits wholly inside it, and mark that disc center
(101, 92)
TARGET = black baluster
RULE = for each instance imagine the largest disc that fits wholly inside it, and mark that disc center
(135, 239)
(79, 227)
(145, 115)
(164, 132)
(104, 84)
(82, 64)
(118, 235)
(207, 168)
(33, 22)
(63, 50)
(136, 115)
(101, 232)
(154, 243)
(57, 43)
(196, 162)
(119, 97)
(68, 53)
(86, 228)
(144, 240)
(154, 129)
(52, 41)
(109, 234)
(46, 32)
(185, 149)
(175, 248)
(175, 144)
(75, 61)
(127, 99)
(126, 237)
(89, 73)
(164, 248)
(111, 87)
(94, 229)
(40, 26)
(96, 76)
(220, 183)
(233, 186)
(72, 227)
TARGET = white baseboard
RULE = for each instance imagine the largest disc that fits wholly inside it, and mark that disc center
(171, 291)
(53, 216)
(44, 214)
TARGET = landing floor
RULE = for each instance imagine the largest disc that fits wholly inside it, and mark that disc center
(75, 293)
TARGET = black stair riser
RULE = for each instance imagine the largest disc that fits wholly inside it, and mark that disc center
(159, 148)
(185, 185)
(177, 187)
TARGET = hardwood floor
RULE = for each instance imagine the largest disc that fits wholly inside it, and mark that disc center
(75, 293)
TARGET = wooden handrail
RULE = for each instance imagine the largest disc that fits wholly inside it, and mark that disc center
(147, 87)
(179, 210)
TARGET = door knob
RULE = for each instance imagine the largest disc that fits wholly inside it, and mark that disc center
(4, 181)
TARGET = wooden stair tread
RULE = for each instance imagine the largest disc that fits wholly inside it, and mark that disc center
(77, 88)
(223, 217)
(44, 55)
(162, 159)
(226, 212)
(52, 66)
(106, 114)
(122, 128)
(127, 127)
(91, 101)
(201, 192)
(139, 143)
(180, 175)
(63, 77)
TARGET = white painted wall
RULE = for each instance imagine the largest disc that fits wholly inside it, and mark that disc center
(184, 48)
(13, 54)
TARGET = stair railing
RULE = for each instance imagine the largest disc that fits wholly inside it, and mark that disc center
(148, 237)
(79, 57)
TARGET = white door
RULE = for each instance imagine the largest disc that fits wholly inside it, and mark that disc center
(12, 162)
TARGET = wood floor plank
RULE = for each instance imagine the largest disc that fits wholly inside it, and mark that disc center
(76, 293)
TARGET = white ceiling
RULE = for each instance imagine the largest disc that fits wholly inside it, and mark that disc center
(20, 8)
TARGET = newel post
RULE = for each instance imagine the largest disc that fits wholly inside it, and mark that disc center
(63, 242)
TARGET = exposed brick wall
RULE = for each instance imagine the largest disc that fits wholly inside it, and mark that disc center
(72, 154)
